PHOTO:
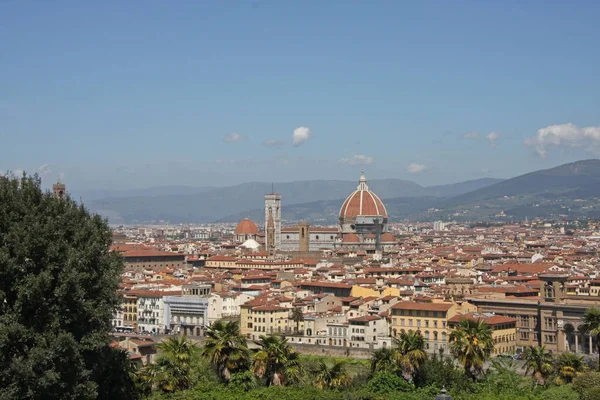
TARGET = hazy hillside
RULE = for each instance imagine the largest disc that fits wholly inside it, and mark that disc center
(581, 176)
(567, 191)
(211, 204)
(456, 189)
(90, 195)
(326, 212)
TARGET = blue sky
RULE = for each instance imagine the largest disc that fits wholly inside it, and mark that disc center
(117, 94)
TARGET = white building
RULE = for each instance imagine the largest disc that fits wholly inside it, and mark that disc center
(223, 305)
(439, 226)
(150, 307)
(188, 313)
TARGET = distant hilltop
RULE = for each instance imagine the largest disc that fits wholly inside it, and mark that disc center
(566, 191)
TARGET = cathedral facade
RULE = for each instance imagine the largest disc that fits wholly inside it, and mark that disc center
(362, 226)
(363, 220)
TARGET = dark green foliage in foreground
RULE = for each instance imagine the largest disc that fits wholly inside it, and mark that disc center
(58, 289)
(587, 386)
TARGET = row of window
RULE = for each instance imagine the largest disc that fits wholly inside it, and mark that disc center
(418, 323)
(426, 335)
(419, 313)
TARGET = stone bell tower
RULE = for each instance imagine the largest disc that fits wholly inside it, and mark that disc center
(60, 190)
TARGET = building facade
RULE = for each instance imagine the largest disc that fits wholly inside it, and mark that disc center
(188, 313)
(553, 319)
(430, 319)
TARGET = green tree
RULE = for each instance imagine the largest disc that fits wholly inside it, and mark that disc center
(243, 381)
(439, 371)
(226, 349)
(276, 361)
(591, 325)
(568, 366)
(383, 360)
(297, 316)
(587, 385)
(332, 378)
(388, 382)
(172, 371)
(410, 353)
(538, 363)
(471, 343)
(58, 290)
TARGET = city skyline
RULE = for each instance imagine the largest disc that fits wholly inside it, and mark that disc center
(117, 96)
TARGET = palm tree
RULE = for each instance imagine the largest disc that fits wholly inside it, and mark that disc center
(226, 349)
(538, 363)
(409, 354)
(568, 366)
(332, 378)
(471, 343)
(172, 370)
(297, 316)
(591, 325)
(276, 361)
(383, 359)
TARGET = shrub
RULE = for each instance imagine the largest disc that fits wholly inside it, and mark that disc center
(587, 385)
(387, 382)
(564, 392)
(244, 381)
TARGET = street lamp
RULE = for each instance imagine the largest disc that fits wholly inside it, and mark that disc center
(443, 395)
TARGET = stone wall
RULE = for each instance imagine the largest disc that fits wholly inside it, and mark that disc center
(331, 351)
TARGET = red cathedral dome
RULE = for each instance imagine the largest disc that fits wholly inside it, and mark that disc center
(362, 202)
(246, 227)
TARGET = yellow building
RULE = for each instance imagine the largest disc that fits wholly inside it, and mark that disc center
(258, 318)
(129, 307)
(504, 330)
(430, 319)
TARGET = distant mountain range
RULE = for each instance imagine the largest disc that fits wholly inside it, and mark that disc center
(568, 191)
(184, 204)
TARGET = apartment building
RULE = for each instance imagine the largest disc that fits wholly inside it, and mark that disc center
(552, 319)
(504, 330)
(430, 319)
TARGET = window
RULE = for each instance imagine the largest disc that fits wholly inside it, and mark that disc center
(317, 237)
(410, 322)
(426, 323)
(401, 321)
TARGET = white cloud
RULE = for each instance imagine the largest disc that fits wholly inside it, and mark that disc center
(274, 143)
(233, 137)
(18, 172)
(357, 159)
(415, 168)
(492, 137)
(44, 169)
(471, 135)
(300, 135)
(566, 135)
(485, 170)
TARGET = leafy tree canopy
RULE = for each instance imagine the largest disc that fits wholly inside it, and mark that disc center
(58, 290)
